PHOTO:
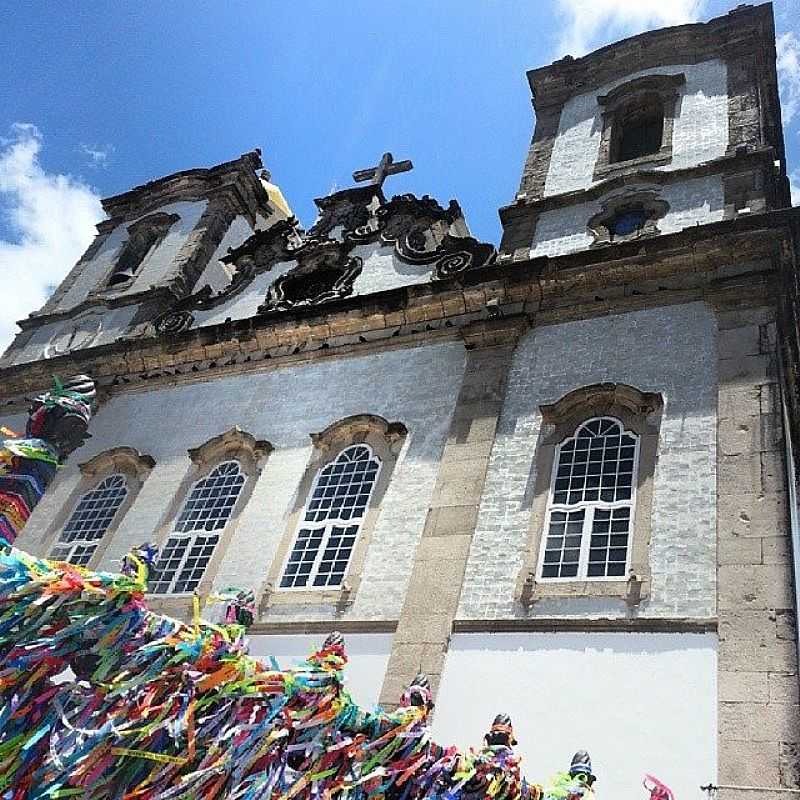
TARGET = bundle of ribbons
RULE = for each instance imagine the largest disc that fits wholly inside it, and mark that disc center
(101, 698)
(57, 424)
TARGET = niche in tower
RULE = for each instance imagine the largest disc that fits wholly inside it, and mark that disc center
(143, 237)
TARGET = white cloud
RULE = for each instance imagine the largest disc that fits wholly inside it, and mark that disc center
(787, 46)
(52, 218)
(593, 23)
(99, 154)
(794, 185)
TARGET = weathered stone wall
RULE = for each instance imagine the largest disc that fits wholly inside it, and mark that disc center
(700, 132)
(670, 350)
(759, 723)
(417, 387)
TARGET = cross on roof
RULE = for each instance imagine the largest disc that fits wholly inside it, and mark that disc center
(382, 170)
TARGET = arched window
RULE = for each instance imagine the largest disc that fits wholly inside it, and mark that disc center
(90, 520)
(590, 510)
(197, 529)
(641, 129)
(331, 520)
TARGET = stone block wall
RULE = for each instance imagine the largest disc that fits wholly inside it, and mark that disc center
(759, 716)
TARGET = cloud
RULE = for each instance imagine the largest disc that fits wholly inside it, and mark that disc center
(52, 221)
(99, 154)
(787, 46)
(794, 186)
(593, 23)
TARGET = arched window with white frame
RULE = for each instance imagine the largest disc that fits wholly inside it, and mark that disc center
(331, 520)
(590, 511)
(198, 528)
(91, 518)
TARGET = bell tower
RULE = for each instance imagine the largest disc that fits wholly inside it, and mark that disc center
(663, 131)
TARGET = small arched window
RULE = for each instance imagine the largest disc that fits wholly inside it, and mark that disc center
(592, 497)
(143, 236)
(641, 129)
(197, 530)
(331, 520)
(90, 520)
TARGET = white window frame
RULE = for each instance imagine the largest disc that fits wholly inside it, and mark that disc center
(589, 506)
(71, 546)
(189, 537)
(327, 525)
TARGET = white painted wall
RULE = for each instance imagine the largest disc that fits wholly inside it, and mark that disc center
(95, 326)
(382, 270)
(152, 268)
(216, 274)
(671, 350)
(693, 202)
(639, 703)
(417, 386)
(700, 132)
(367, 653)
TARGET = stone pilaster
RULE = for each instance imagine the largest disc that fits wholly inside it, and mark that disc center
(759, 719)
(434, 587)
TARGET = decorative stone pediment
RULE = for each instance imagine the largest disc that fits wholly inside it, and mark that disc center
(118, 459)
(235, 441)
(601, 398)
(420, 231)
(324, 272)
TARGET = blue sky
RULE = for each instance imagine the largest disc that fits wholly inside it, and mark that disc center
(98, 97)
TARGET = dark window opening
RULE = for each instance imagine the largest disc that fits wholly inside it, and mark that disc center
(641, 132)
(627, 221)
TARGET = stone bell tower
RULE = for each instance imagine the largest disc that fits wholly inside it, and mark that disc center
(159, 240)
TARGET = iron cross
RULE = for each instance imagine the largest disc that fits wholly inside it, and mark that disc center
(378, 174)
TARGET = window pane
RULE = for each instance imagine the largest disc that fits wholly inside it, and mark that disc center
(562, 553)
(608, 552)
(90, 520)
(341, 492)
(207, 508)
(599, 471)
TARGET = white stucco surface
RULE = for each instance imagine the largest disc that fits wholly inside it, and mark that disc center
(381, 270)
(691, 202)
(639, 703)
(216, 274)
(700, 132)
(367, 653)
(95, 326)
(154, 266)
(283, 406)
(670, 350)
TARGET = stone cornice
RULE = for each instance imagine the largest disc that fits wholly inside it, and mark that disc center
(747, 30)
(702, 263)
(730, 163)
(591, 625)
(238, 175)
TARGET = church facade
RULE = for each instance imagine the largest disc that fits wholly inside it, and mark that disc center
(556, 476)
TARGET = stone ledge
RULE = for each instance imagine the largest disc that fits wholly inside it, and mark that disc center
(597, 625)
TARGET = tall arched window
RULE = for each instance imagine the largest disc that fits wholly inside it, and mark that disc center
(197, 529)
(331, 520)
(90, 520)
(590, 510)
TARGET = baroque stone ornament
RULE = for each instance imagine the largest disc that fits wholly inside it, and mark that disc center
(324, 272)
(420, 231)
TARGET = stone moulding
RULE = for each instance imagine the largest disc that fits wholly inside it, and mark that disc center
(420, 230)
(118, 459)
(600, 397)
